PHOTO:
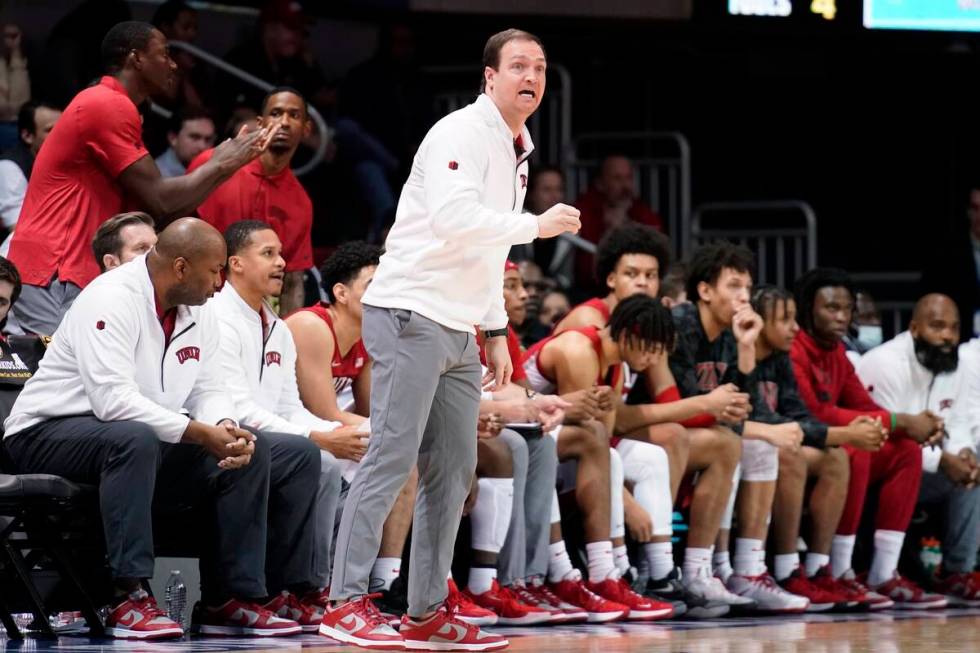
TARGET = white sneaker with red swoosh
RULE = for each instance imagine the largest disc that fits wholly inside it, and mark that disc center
(138, 617)
(443, 631)
(359, 622)
(241, 618)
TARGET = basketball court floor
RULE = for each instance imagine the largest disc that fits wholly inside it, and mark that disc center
(892, 632)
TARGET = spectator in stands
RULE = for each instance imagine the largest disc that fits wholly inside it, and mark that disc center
(333, 373)
(864, 333)
(10, 287)
(545, 187)
(34, 122)
(554, 307)
(673, 285)
(122, 238)
(177, 20)
(278, 54)
(920, 369)
(610, 202)
(536, 285)
(90, 164)
(835, 395)
(15, 82)
(266, 189)
(95, 413)
(190, 133)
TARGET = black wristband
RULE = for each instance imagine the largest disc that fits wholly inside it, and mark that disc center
(494, 333)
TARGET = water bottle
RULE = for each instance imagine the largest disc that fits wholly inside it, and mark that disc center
(176, 597)
(931, 554)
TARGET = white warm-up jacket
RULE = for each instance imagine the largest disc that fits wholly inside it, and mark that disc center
(260, 373)
(898, 382)
(109, 359)
(457, 218)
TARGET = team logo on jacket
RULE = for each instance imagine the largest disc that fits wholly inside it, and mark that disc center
(454, 165)
(273, 357)
(187, 353)
(945, 404)
(523, 181)
(709, 374)
(100, 325)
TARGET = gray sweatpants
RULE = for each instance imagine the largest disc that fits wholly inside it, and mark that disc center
(40, 308)
(327, 504)
(525, 551)
(962, 520)
(425, 401)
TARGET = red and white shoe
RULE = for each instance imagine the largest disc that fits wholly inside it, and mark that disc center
(238, 618)
(598, 609)
(443, 631)
(961, 590)
(555, 614)
(465, 609)
(139, 617)
(288, 606)
(359, 622)
(509, 609)
(640, 607)
(317, 598)
(873, 600)
(767, 594)
(855, 593)
(820, 599)
(570, 613)
(909, 596)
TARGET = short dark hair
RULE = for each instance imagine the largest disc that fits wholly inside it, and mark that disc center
(177, 120)
(276, 90)
(169, 11)
(346, 263)
(537, 171)
(809, 284)
(496, 43)
(766, 298)
(674, 282)
(239, 234)
(644, 321)
(709, 260)
(123, 38)
(25, 116)
(630, 238)
(8, 272)
(107, 240)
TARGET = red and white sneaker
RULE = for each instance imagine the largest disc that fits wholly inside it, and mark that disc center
(555, 614)
(139, 617)
(855, 593)
(873, 600)
(961, 590)
(443, 631)
(909, 596)
(640, 607)
(241, 618)
(317, 598)
(466, 610)
(767, 594)
(570, 613)
(820, 599)
(287, 606)
(598, 609)
(509, 609)
(359, 622)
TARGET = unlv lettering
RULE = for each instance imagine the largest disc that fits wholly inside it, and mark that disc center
(273, 357)
(710, 374)
(769, 391)
(187, 353)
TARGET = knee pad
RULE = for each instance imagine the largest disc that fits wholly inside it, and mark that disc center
(760, 461)
(490, 516)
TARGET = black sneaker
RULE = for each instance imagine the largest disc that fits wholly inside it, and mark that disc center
(669, 590)
(394, 600)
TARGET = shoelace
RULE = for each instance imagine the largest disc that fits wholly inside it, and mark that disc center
(814, 591)
(550, 597)
(510, 597)
(527, 596)
(766, 581)
(293, 602)
(905, 583)
(371, 610)
(149, 608)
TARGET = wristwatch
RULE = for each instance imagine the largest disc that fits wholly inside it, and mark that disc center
(494, 333)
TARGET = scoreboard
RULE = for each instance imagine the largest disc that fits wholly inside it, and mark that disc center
(941, 15)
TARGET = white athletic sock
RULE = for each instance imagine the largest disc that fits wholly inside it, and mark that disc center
(660, 558)
(559, 565)
(384, 572)
(750, 557)
(621, 559)
(784, 564)
(490, 516)
(888, 548)
(815, 562)
(481, 579)
(600, 557)
(721, 565)
(696, 560)
(841, 552)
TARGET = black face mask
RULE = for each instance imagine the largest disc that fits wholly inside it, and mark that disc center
(936, 358)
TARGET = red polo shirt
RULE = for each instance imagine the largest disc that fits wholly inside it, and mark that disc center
(73, 185)
(279, 200)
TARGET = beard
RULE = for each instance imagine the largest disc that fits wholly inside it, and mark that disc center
(936, 358)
